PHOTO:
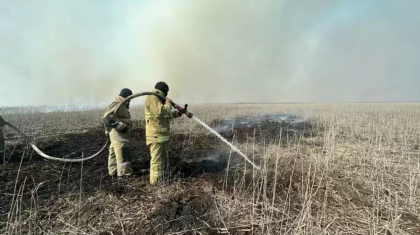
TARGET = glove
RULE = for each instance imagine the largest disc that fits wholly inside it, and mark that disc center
(120, 126)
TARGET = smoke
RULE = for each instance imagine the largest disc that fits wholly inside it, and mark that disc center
(84, 52)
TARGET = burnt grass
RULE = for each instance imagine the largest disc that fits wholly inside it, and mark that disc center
(54, 181)
(42, 196)
(29, 183)
(271, 132)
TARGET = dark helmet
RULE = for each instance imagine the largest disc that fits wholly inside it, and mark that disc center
(162, 86)
(125, 93)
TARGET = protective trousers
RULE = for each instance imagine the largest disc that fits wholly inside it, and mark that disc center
(159, 155)
(119, 160)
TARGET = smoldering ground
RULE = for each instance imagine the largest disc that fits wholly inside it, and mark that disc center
(78, 52)
(198, 165)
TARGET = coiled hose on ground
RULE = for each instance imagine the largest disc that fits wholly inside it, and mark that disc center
(27, 139)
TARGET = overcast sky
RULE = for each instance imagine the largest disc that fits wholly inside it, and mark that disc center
(79, 52)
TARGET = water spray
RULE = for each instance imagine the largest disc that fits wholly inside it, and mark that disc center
(224, 140)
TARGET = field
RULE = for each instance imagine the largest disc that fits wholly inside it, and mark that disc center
(342, 169)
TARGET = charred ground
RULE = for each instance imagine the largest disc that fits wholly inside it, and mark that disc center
(46, 197)
(32, 183)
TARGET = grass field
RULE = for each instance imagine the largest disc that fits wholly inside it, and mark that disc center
(352, 169)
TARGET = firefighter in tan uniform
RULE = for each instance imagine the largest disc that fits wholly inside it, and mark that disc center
(158, 114)
(118, 126)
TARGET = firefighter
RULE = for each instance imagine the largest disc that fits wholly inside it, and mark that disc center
(158, 114)
(118, 127)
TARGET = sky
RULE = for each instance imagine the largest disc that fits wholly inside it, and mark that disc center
(82, 53)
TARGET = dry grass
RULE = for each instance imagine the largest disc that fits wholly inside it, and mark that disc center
(359, 173)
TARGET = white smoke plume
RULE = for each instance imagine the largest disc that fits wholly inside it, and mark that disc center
(83, 52)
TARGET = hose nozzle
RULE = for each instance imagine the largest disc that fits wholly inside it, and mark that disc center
(182, 109)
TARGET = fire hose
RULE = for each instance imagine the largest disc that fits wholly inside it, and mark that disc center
(28, 140)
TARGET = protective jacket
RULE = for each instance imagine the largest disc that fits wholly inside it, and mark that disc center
(112, 119)
(158, 116)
